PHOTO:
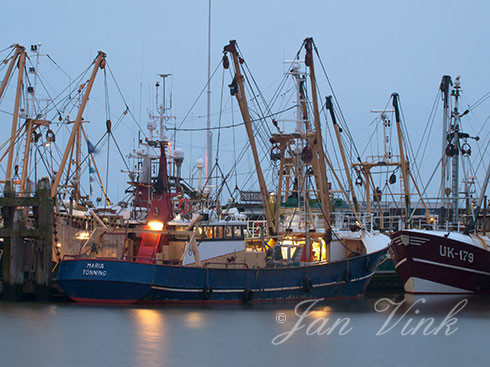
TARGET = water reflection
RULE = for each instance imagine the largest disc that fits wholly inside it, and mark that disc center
(321, 313)
(80, 336)
(150, 336)
(194, 320)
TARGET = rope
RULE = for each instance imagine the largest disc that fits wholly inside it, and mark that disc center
(428, 125)
(197, 99)
(234, 125)
(342, 118)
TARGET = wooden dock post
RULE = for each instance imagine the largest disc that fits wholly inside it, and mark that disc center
(13, 246)
(14, 232)
(44, 243)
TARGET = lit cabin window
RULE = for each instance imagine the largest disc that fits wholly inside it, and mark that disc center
(207, 233)
(218, 233)
(228, 232)
(237, 232)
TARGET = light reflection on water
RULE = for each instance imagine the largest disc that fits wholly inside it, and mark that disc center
(150, 339)
(82, 335)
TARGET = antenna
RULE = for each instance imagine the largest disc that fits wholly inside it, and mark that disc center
(386, 137)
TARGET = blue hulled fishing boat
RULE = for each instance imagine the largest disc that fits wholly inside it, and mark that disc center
(115, 281)
(294, 253)
(254, 273)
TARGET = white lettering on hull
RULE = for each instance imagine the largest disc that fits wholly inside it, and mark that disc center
(96, 269)
(452, 253)
(102, 273)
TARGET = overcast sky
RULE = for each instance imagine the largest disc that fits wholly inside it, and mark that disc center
(369, 48)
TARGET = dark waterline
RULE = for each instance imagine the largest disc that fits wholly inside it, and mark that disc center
(65, 334)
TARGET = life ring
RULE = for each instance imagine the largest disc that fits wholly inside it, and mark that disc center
(247, 296)
(185, 206)
(307, 285)
(228, 232)
(207, 292)
(257, 228)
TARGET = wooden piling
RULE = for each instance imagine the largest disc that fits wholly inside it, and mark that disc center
(13, 246)
(44, 243)
(14, 232)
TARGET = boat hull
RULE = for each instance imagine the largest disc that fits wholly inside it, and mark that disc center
(432, 263)
(117, 281)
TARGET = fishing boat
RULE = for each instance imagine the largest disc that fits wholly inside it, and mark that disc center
(451, 257)
(442, 262)
(158, 274)
(161, 260)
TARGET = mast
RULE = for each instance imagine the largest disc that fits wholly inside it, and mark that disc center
(445, 83)
(209, 136)
(403, 162)
(32, 89)
(454, 136)
(76, 181)
(302, 114)
(31, 115)
(15, 119)
(99, 63)
(317, 144)
(163, 116)
(18, 50)
(329, 106)
(242, 102)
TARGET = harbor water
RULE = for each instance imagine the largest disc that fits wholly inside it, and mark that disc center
(423, 331)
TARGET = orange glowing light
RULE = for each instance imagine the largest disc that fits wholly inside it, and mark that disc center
(155, 225)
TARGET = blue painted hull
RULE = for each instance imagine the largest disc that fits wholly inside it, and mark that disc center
(116, 281)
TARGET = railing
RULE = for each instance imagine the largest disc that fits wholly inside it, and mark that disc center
(340, 221)
(346, 220)
(153, 260)
(256, 229)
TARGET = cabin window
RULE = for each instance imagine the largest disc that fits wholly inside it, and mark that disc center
(228, 232)
(206, 232)
(218, 233)
(237, 232)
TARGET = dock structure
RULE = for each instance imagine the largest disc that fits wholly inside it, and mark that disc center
(20, 236)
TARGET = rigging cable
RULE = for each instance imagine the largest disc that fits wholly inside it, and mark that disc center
(429, 125)
(197, 99)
